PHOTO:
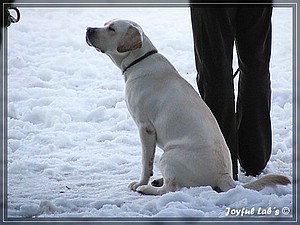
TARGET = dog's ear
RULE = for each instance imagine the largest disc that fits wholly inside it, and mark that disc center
(131, 40)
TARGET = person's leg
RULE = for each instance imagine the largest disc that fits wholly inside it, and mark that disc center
(253, 41)
(213, 30)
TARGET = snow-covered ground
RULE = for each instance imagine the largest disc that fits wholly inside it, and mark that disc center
(73, 147)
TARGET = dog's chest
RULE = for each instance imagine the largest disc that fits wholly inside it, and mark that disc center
(141, 98)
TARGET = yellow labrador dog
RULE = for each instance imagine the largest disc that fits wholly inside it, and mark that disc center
(170, 114)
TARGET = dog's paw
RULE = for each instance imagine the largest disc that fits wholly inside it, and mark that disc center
(142, 189)
(134, 185)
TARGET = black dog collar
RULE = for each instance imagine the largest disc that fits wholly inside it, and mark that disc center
(140, 59)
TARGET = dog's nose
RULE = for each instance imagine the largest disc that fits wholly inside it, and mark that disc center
(90, 30)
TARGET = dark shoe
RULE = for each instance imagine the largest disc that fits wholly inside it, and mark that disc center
(250, 173)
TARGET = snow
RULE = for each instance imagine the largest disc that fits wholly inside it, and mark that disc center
(73, 147)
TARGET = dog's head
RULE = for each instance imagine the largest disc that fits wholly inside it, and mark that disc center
(117, 36)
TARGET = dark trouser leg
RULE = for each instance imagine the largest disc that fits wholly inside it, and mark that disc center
(253, 40)
(213, 41)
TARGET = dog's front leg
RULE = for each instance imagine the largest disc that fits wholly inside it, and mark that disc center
(148, 139)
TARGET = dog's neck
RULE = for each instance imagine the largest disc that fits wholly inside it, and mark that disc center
(123, 60)
(140, 59)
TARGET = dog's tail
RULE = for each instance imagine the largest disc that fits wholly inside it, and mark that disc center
(268, 180)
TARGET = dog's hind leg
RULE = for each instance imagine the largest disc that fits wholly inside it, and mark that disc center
(172, 176)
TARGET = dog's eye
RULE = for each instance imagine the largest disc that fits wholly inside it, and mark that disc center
(111, 28)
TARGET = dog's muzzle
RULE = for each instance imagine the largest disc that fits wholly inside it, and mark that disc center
(89, 34)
